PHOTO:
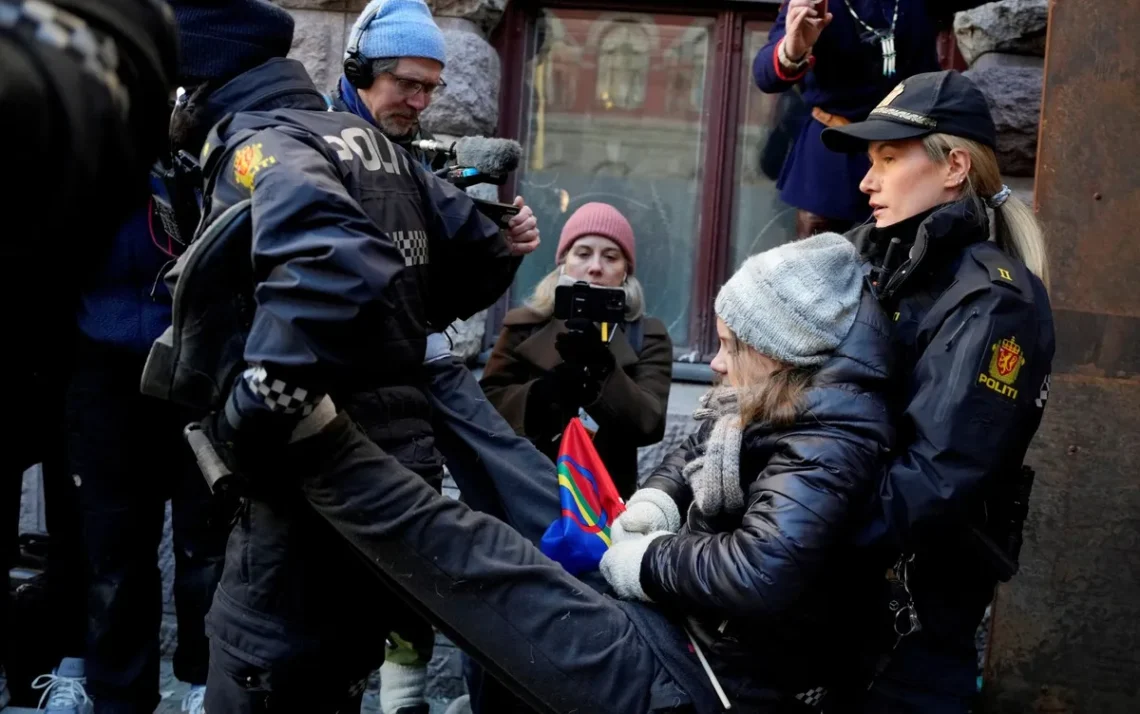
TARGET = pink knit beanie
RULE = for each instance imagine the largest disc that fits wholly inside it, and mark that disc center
(597, 219)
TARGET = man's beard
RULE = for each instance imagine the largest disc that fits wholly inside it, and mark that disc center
(399, 131)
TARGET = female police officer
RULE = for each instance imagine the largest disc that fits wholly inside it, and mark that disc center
(973, 333)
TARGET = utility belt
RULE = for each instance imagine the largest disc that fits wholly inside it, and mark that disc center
(997, 542)
(828, 119)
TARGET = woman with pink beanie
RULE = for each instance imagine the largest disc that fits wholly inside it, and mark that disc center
(540, 375)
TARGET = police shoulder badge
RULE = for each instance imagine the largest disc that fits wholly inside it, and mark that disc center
(1005, 364)
(248, 160)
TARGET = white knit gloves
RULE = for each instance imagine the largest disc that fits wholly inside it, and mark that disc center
(648, 510)
(621, 565)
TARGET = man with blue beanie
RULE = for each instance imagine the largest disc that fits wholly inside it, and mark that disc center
(393, 60)
(392, 67)
(125, 449)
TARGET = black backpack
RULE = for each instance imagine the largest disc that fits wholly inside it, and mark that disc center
(196, 360)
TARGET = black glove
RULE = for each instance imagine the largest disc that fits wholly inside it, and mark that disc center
(235, 457)
(582, 346)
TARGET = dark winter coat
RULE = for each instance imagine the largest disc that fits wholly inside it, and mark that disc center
(767, 589)
(630, 411)
(974, 343)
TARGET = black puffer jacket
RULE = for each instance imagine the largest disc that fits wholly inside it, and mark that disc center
(766, 590)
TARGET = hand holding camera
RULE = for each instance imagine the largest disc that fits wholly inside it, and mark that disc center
(584, 347)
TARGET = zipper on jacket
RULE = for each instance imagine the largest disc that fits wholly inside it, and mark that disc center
(954, 336)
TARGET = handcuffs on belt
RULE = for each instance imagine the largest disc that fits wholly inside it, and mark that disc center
(905, 620)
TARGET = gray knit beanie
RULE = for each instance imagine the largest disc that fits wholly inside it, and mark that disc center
(795, 303)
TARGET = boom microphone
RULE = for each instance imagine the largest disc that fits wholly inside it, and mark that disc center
(489, 156)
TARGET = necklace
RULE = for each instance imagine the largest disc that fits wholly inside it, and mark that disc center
(886, 38)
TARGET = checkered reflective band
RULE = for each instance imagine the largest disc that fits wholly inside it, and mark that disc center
(49, 25)
(413, 245)
(812, 697)
(279, 396)
(1043, 395)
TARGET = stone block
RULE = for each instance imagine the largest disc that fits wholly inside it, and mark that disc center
(1014, 95)
(1004, 59)
(33, 517)
(318, 43)
(1014, 26)
(469, 104)
(484, 13)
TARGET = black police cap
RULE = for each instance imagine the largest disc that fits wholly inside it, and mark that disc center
(930, 103)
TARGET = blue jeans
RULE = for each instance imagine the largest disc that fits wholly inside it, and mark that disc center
(484, 455)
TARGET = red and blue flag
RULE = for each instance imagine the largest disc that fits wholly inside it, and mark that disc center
(589, 500)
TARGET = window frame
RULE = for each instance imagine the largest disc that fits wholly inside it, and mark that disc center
(722, 116)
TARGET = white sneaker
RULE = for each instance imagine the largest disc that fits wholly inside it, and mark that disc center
(64, 692)
(195, 700)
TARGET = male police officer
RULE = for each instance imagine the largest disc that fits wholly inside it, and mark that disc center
(357, 253)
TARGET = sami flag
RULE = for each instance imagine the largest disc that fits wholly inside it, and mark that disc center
(590, 503)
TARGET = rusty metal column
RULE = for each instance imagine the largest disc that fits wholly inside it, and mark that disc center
(1066, 633)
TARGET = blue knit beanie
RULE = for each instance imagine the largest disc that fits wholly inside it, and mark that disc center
(220, 39)
(400, 28)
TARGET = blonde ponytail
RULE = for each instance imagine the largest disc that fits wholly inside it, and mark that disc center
(1016, 230)
(1018, 233)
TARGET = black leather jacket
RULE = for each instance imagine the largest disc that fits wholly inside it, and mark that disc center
(765, 589)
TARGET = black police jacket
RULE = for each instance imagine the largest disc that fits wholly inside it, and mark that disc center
(973, 339)
(767, 589)
(357, 252)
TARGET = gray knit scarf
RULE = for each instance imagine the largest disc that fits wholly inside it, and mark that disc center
(715, 475)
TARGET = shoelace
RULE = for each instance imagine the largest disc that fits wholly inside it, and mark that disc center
(61, 692)
(195, 701)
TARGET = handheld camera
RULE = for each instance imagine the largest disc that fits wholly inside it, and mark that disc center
(582, 301)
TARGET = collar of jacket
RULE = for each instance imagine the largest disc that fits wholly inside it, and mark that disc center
(538, 348)
(937, 240)
(276, 83)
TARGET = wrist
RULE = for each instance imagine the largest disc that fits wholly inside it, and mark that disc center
(792, 54)
(787, 69)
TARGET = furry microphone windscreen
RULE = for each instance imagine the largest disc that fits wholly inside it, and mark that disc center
(490, 156)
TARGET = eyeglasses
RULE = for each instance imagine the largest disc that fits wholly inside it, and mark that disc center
(411, 87)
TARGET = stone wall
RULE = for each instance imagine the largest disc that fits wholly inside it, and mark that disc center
(1004, 43)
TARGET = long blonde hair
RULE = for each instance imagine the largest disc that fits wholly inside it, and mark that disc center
(1016, 229)
(775, 398)
(542, 299)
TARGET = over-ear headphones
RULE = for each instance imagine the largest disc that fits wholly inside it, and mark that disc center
(357, 68)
